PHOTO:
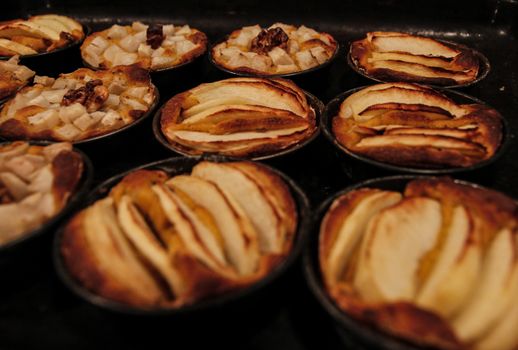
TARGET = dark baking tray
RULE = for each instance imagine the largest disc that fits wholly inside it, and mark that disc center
(39, 313)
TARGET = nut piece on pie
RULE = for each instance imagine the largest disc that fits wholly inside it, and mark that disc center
(36, 182)
(38, 34)
(412, 125)
(78, 105)
(279, 49)
(153, 46)
(239, 117)
(13, 76)
(435, 265)
(161, 242)
(392, 56)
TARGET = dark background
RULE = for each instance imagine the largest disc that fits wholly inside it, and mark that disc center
(37, 312)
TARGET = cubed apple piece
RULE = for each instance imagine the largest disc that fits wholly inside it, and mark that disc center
(138, 26)
(125, 59)
(280, 57)
(98, 45)
(137, 91)
(144, 50)
(44, 120)
(70, 113)
(67, 132)
(111, 53)
(117, 32)
(305, 59)
(184, 30)
(43, 80)
(168, 29)
(112, 100)
(320, 54)
(111, 118)
(130, 43)
(157, 62)
(84, 122)
(54, 96)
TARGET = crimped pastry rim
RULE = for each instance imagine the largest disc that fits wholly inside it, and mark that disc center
(331, 111)
(314, 102)
(239, 73)
(179, 165)
(73, 201)
(370, 336)
(484, 67)
(86, 31)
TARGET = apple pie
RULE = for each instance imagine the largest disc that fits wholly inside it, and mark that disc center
(412, 125)
(152, 46)
(38, 34)
(238, 117)
(279, 49)
(392, 56)
(36, 183)
(78, 105)
(13, 76)
(435, 265)
(162, 242)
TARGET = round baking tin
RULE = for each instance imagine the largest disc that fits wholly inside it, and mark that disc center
(483, 70)
(331, 111)
(314, 102)
(176, 166)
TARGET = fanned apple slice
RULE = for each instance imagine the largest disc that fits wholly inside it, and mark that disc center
(350, 228)
(419, 70)
(449, 132)
(503, 336)
(138, 232)
(414, 45)
(240, 239)
(406, 94)
(436, 141)
(497, 290)
(264, 94)
(196, 136)
(405, 57)
(251, 198)
(66, 21)
(217, 102)
(184, 227)
(105, 249)
(456, 269)
(204, 226)
(395, 241)
(16, 47)
(277, 193)
(28, 28)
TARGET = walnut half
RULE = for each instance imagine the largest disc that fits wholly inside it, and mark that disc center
(266, 40)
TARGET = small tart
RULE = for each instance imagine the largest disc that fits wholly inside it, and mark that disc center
(153, 46)
(38, 34)
(163, 242)
(279, 49)
(435, 265)
(392, 56)
(78, 105)
(36, 182)
(245, 117)
(411, 125)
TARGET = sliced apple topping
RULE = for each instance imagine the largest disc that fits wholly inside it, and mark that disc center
(391, 56)
(442, 258)
(411, 125)
(188, 234)
(239, 117)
